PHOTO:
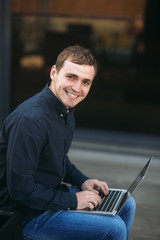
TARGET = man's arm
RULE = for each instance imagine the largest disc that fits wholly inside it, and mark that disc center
(26, 140)
(73, 175)
(89, 196)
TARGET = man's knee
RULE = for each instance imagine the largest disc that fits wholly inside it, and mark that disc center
(119, 229)
(131, 204)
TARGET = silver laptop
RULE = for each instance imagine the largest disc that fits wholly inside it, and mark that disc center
(115, 200)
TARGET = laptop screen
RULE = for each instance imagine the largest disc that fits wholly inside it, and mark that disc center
(140, 177)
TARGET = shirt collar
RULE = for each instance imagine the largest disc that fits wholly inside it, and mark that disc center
(54, 102)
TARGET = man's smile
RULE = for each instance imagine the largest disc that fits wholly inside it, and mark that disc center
(72, 94)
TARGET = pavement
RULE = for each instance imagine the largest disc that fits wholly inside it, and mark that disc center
(118, 158)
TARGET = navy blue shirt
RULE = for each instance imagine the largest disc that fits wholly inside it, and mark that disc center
(34, 143)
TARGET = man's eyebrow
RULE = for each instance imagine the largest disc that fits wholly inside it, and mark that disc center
(72, 74)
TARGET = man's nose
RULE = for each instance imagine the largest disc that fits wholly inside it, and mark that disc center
(77, 86)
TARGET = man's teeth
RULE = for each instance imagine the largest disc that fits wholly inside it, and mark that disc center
(72, 95)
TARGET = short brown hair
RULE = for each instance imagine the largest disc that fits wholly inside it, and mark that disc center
(76, 54)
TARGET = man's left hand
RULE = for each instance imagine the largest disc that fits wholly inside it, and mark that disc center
(96, 186)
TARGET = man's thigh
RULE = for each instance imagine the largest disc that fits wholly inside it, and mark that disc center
(69, 225)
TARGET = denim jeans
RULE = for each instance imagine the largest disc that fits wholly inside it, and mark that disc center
(70, 225)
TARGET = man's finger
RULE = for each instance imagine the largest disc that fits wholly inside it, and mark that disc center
(104, 188)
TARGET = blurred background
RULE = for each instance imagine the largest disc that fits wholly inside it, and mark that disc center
(123, 35)
(119, 122)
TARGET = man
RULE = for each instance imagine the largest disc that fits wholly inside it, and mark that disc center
(34, 142)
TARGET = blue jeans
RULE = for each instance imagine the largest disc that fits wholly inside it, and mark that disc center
(68, 225)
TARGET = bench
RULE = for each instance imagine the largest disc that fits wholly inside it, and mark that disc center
(10, 225)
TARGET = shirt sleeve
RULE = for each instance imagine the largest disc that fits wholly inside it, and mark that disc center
(26, 140)
(73, 175)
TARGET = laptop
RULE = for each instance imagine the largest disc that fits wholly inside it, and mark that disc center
(115, 200)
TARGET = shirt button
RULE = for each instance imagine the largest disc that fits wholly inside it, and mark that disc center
(61, 115)
(67, 111)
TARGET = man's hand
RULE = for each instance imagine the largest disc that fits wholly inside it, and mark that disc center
(87, 199)
(95, 185)
(89, 196)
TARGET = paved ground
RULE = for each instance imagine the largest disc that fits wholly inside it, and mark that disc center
(118, 158)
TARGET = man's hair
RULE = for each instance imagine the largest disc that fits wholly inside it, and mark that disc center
(76, 54)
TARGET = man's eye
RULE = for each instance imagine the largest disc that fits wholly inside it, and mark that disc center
(70, 77)
(86, 83)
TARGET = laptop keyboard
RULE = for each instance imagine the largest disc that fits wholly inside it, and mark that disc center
(108, 202)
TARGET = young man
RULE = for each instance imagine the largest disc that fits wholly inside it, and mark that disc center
(34, 143)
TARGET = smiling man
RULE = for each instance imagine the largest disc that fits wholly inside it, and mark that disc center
(72, 83)
(34, 143)
(72, 77)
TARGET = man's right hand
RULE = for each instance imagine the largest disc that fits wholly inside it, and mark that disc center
(87, 199)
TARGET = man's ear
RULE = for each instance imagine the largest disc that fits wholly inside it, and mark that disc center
(52, 72)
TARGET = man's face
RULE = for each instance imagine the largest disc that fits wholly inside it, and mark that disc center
(72, 83)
